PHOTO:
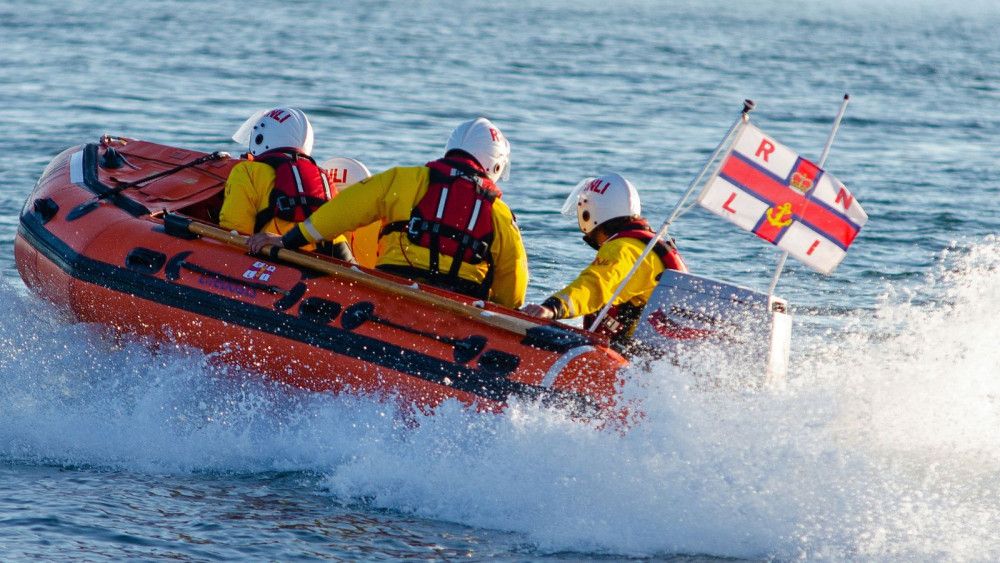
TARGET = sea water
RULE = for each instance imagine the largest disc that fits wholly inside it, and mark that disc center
(883, 444)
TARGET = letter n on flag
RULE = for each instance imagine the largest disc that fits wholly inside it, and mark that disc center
(769, 190)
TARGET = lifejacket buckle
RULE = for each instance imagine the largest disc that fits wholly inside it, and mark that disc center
(611, 325)
(413, 228)
(476, 180)
(479, 250)
(282, 203)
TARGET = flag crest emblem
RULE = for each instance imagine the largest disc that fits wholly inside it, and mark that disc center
(768, 189)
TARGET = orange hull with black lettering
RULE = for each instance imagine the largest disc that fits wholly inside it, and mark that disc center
(147, 258)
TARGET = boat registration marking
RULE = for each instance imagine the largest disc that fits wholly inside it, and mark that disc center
(225, 285)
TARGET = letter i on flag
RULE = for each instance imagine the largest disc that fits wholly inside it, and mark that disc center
(769, 190)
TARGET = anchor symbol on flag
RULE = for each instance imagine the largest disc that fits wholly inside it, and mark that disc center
(775, 219)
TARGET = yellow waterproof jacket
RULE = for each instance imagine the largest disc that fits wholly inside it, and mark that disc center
(390, 196)
(248, 192)
(592, 289)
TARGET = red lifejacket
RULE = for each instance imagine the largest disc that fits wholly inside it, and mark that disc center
(666, 250)
(620, 319)
(300, 187)
(455, 218)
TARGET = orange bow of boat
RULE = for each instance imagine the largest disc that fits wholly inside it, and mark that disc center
(122, 232)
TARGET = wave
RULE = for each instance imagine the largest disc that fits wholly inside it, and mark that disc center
(880, 444)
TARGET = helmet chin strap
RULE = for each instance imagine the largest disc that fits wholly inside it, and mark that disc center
(591, 241)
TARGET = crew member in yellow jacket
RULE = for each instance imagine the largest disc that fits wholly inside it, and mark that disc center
(279, 184)
(443, 223)
(608, 212)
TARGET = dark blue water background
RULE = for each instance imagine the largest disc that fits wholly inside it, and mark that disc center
(883, 445)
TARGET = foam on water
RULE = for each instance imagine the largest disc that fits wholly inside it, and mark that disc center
(881, 445)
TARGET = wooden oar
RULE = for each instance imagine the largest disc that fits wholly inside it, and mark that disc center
(490, 318)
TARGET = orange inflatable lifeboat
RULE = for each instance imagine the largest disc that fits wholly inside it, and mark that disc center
(122, 232)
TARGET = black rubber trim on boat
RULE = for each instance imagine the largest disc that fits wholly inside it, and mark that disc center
(499, 363)
(291, 297)
(112, 159)
(145, 260)
(173, 272)
(319, 310)
(176, 225)
(483, 382)
(45, 208)
(94, 184)
(464, 350)
(357, 315)
(554, 339)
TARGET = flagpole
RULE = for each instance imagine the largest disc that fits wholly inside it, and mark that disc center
(822, 160)
(743, 118)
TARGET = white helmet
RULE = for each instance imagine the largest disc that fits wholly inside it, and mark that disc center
(596, 200)
(278, 128)
(344, 171)
(481, 139)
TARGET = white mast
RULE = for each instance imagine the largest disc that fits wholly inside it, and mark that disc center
(743, 118)
(822, 160)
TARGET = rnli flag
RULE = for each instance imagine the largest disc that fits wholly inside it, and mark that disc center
(769, 190)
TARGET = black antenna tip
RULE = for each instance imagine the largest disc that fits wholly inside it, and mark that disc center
(748, 105)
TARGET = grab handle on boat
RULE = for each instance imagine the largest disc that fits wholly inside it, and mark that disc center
(465, 349)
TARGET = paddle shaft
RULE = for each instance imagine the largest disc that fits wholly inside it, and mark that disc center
(489, 318)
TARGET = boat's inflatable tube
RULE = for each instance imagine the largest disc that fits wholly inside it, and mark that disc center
(151, 260)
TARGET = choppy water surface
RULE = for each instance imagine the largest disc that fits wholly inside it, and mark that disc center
(882, 446)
